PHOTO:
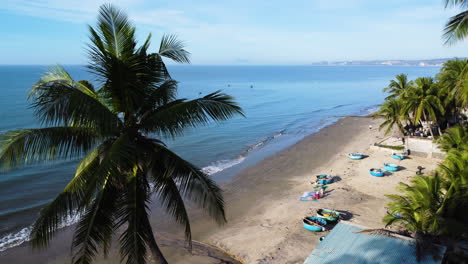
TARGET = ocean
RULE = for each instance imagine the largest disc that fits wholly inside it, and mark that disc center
(282, 104)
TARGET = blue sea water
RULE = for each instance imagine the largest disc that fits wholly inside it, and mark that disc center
(282, 104)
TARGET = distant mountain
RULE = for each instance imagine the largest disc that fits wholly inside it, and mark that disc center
(430, 62)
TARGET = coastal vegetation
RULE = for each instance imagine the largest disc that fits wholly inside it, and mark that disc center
(116, 126)
(427, 106)
(433, 207)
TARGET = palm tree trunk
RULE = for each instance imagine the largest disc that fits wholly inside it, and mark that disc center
(430, 125)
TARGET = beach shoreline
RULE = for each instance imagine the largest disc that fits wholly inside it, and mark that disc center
(264, 211)
(262, 202)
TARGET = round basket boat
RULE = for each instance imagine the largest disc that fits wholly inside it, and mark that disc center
(327, 180)
(322, 176)
(328, 214)
(391, 167)
(356, 156)
(398, 156)
(376, 172)
(314, 224)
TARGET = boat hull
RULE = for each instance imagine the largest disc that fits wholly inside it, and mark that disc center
(325, 181)
(321, 212)
(398, 157)
(314, 228)
(376, 173)
(356, 156)
(391, 167)
(322, 176)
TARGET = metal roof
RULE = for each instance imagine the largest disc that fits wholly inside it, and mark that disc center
(343, 245)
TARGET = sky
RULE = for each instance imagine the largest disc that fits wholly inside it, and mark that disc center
(231, 32)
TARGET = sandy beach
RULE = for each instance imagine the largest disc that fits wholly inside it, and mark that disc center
(263, 208)
(264, 211)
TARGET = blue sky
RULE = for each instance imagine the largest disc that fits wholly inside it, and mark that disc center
(237, 31)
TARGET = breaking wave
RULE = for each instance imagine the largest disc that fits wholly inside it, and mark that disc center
(18, 238)
(221, 165)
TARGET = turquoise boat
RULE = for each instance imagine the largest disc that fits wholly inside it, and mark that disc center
(376, 172)
(314, 224)
(356, 156)
(321, 176)
(391, 167)
(398, 156)
(328, 214)
(327, 180)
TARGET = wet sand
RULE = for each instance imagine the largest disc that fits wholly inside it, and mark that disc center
(263, 208)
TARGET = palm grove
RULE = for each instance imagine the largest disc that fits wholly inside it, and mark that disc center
(434, 208)
(116, 127)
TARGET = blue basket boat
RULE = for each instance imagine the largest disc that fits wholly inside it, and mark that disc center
(314, 224)
(391, 167)
(356, 156)
(376, 172)
(322, 176)
(398, 156)
(326, 180)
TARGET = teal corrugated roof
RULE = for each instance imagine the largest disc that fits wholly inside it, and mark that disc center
(342, 245)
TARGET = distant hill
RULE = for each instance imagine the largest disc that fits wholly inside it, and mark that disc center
(430, 62)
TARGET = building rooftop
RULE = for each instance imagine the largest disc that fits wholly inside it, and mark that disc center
(344, 245)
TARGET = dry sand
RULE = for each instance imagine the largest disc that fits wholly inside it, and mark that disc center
(264, 222)
(263, 207)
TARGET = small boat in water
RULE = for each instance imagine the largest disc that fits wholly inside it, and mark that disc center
(356, 156)
(376, 172)
(398, 156)
(391, 167)
(314, 224)
(328, 214)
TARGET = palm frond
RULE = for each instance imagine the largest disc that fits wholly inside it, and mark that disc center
(135, 239)
(193, 183)
(165, 93)
(72, 200)
(176, 116)
(172, 202)
(95, 228)
(456, 28)
(455, 3)
(58, 100)
(30, 146)
(173, 48)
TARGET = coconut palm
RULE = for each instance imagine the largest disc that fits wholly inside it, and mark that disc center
(390, 112)
(418, 209)
(454, 138)
(117, 129)
(456, 28)
(397, 86)
(422, 101)
(453, 78)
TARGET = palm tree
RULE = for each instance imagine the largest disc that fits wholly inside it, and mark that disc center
(422, 101)
(453, 77)
(390, 112)
(456, 28)
(117, 130)
(418, 209)
(397, 86)
(454, 138)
